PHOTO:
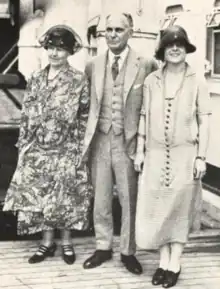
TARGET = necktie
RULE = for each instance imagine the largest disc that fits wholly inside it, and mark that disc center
(115, 67)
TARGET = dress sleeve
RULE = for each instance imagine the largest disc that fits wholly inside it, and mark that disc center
(24, 132)
(143, 121)
(203, 98)
(143, 110)
(144, 113)
(83, 112)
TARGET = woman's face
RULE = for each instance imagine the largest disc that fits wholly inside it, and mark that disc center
(57, 56)
(175, 53)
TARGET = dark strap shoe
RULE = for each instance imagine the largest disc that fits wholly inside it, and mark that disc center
(158, 277)
(42, 253)
(99, 257)
(131, 264)
(68, 254)
(170, 279)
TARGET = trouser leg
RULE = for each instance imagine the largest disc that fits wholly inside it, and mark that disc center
(126, 183)
(102, 183)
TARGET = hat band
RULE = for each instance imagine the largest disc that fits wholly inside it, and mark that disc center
(57, 42)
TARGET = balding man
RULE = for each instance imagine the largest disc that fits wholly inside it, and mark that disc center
(116, 80)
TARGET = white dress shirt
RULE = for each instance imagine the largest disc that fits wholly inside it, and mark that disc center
(122, 58)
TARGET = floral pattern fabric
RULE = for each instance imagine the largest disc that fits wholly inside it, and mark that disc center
(51, 187)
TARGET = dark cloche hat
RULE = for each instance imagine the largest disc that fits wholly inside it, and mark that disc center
(171, 35)
(62, 36)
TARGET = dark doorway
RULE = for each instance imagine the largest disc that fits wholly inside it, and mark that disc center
(9, 35)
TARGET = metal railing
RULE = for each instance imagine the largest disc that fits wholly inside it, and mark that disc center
(10, 54)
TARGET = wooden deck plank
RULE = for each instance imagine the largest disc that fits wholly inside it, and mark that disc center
(200, 270)
(76, 271)
(21, 260)
(113, 265)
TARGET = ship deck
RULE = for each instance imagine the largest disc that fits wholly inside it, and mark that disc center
(200, 266)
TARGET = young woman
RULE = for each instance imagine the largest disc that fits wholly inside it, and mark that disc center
(172, 144)
(50, 188)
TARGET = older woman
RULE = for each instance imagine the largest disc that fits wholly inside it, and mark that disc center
(175, 121)
(50, 188)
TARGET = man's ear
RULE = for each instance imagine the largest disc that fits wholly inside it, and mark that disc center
(131, 32)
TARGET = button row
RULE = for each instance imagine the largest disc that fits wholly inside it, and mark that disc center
(167, 156)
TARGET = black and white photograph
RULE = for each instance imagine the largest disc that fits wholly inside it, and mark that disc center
(109, 144)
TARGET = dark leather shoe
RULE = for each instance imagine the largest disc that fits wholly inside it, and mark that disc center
(158, 277)
(131, 264)
(68, 258)
(99, 257)
(44, 252)
(170, 279)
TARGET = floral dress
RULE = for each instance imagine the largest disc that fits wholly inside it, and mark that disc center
(51, 186)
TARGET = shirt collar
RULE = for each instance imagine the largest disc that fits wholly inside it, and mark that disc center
(122, 55)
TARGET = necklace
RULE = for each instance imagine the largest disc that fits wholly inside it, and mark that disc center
(169, 104)
(176, 93)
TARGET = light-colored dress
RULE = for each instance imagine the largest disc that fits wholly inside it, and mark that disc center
(50, 189)
(168, 195)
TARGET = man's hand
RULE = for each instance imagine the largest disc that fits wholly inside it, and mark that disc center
(139, 161)
(199, 169)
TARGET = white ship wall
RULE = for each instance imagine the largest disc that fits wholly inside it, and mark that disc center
(148, 17)
(77, 14)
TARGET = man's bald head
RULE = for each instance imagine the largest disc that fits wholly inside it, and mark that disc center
(126, 18)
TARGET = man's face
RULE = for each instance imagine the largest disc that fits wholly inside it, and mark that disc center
(117, 33)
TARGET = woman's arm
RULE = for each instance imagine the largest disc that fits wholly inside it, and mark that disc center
(141, 137)
(203, 121)
(203, 113)
(203, 124)
(24, 133)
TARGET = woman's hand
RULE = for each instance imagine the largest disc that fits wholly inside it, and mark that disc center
(199, 169)
(139, 161)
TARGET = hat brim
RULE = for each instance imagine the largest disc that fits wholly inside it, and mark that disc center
(78, 44)
(190, 48)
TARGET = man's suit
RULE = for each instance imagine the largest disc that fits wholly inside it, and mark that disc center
(110, 140)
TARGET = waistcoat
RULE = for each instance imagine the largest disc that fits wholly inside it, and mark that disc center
(112, 107)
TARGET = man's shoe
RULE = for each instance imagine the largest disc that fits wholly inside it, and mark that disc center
(99, 257)
(131, 264)
(42, 253)
(158, 277)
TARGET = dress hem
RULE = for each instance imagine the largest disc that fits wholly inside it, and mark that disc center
(160, 245)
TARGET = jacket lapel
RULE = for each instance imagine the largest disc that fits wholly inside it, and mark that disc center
(130, 73)
(100, 67)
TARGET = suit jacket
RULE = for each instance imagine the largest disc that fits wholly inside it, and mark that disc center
(137, 68)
